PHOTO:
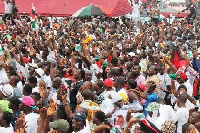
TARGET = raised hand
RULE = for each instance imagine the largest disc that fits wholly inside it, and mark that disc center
(52, 108)
(21, 130)
(21, 123)
(43, 113)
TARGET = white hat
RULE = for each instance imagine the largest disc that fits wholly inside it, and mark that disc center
(33, 65)
(39, 71)
(116, 97)
(131, 54)
(7, 90)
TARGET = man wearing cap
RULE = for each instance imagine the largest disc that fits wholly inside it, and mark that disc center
(108, 86)
(79, 123)
(27, 103)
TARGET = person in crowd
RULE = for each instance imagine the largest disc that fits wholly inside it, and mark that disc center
(182, 114)
(14, 103)
(5, 121)
(8, 9)
(79, 123)
(188, 128)
(26, 105)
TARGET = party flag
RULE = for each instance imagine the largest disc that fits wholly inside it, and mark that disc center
(33, 16)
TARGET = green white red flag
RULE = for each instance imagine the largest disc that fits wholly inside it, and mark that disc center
(33, 16)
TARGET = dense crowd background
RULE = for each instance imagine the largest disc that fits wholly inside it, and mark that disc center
(136, 73)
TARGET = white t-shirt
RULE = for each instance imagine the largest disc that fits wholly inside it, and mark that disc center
(36, 89)
(188, 105)
(6, 130)
(31, 122)
(136, 12)
(122, 91)
(20, 85)
(166, 112)
(47, 80)
(84, 130)
(164, 80)
(107, 106)
(4, 77)
(8, 7)
(181, 116)
(119, 118)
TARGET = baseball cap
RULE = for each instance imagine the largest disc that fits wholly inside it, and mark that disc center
(28, 101)
(79, 116)
(7, 90)
(60, 124)
(108, 82)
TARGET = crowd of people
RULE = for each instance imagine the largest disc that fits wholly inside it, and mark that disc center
(99, 75)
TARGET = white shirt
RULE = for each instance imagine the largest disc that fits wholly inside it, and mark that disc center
(4, 77)
(136, 12)
(36, 89)
(8, 7)
(188, 105)
(31, 122)
(165, 80)
(166, 112)
(47, 80)
(122, 90)
(20, 85)
(107, 106)
(6, 130)
(84, 130)
(181, 116)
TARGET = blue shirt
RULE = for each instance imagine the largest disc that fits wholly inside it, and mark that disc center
(15, 115)
(150, 98)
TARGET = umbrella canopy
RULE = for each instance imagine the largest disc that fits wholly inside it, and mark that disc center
(92, 10)
(60, 8)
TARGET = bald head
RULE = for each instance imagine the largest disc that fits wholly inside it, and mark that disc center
(182, 98)
(57, 79)
(56, 83)
(87, 94)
